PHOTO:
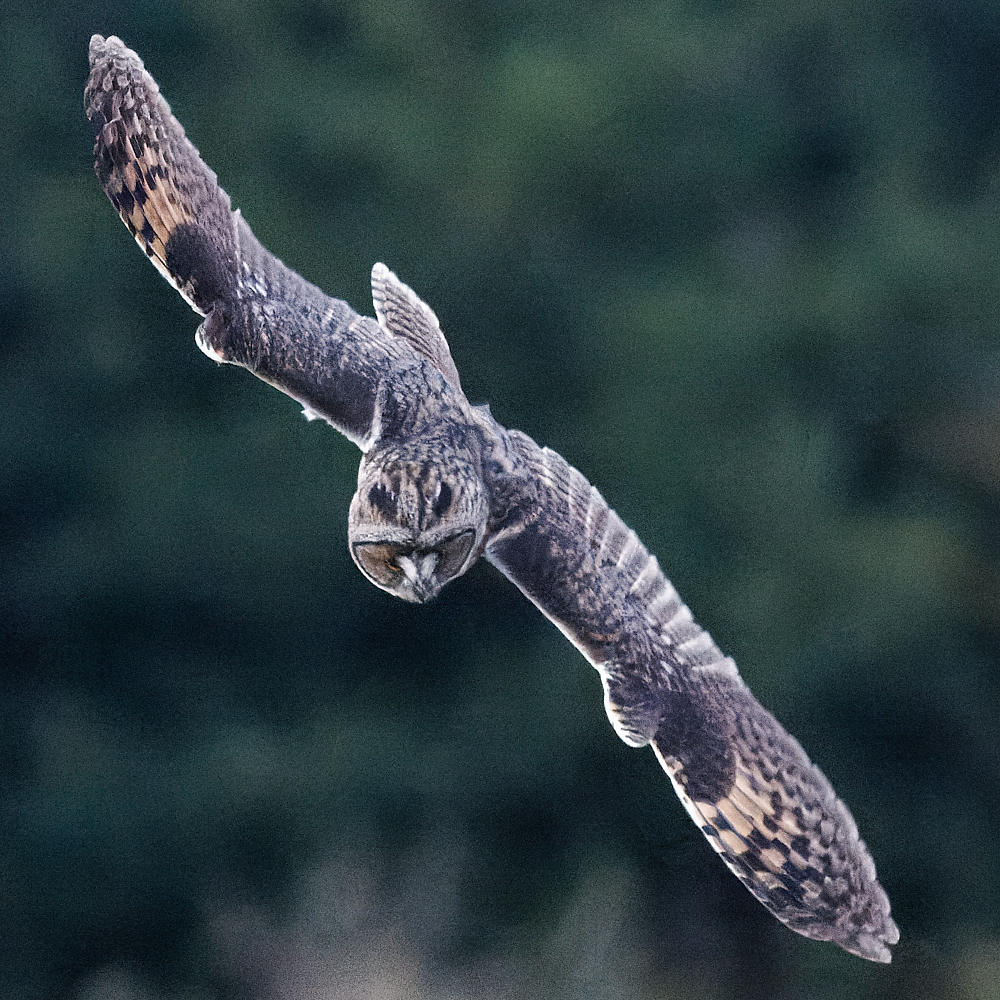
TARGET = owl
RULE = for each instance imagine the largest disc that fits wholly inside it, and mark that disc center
(442, 483)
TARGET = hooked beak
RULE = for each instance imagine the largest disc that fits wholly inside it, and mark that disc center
(419, 570)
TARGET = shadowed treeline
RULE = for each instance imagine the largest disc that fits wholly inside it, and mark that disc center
(737, 266)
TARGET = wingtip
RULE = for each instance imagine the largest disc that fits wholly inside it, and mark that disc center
(871, 948)
(98, 46)
(102, 48)
(380, 274)
(874, 946)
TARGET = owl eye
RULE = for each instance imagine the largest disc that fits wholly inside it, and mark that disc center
(443, 501)
(453, 553)
(378, 561)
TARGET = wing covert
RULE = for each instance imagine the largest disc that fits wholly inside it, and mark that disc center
(589, 573)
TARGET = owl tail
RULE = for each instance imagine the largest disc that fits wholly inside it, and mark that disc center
(165, 194)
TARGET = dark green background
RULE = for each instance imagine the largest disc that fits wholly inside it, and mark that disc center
(737, 262)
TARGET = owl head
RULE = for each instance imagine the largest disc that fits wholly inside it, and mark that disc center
(416, 523)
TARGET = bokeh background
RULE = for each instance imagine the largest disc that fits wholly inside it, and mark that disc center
(737, 262)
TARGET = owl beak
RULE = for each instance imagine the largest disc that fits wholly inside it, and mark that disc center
(419, 569)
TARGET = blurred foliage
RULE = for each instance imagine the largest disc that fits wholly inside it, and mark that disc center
(737, 263)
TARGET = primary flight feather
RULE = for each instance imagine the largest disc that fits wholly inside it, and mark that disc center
(441, 483)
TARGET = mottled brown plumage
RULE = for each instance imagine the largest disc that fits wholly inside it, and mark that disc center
(442, 483)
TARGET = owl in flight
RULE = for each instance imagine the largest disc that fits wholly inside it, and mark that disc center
(441, 483)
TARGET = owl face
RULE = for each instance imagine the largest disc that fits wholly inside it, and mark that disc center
(416, 525)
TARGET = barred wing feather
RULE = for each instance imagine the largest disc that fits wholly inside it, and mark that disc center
(763, 806)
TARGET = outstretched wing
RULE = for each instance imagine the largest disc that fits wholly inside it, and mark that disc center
(259, 314)
(747, 784)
